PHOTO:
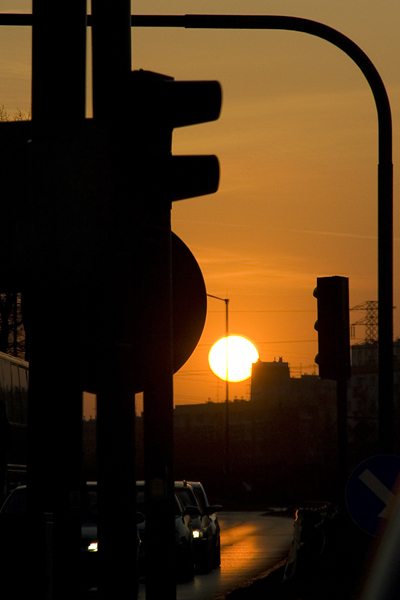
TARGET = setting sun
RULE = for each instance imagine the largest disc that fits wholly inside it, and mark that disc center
(241, 354)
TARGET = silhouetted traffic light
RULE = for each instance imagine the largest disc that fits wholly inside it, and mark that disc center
(160, 104)
(333, 357)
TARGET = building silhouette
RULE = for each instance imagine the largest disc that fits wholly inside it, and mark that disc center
(282, 443)
(362, 402)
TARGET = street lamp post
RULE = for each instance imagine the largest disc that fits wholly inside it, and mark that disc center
(226, 300)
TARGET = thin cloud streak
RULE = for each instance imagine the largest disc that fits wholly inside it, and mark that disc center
(330, 233)
(290, 230)
(213, 223)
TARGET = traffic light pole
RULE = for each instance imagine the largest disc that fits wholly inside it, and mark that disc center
(117, 295)
(341, 423)
(53, 317)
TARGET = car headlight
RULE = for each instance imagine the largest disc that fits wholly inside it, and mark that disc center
(197, 533)
(93, 547)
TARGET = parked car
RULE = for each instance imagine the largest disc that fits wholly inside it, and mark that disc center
(184, 547)
(16, 505)
(209, 512)
(204, 529)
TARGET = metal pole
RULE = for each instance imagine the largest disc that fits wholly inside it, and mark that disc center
(157, 347)
(55, 409)
(116, 295)
(58, 60)
(111, 44)
(227, 452)
(227, 440)
(227, 350)
(341, 395)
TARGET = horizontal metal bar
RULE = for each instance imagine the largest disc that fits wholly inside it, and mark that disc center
(26, 20)
(17, 19)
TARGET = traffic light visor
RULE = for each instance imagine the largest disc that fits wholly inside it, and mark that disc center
(176, 103)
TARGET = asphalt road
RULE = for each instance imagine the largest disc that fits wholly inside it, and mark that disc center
(251, 543)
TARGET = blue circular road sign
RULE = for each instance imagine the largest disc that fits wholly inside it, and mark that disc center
(370, 490)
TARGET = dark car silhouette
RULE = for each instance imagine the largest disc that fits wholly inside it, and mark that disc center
(205, 535)
(209, 512)
(184, 547)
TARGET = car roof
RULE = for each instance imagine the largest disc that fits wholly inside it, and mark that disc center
(183, 483)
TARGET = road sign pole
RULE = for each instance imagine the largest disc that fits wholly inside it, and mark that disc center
(158, 408)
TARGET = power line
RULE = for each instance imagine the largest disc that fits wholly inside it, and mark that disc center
(264, 311)
(271, 342)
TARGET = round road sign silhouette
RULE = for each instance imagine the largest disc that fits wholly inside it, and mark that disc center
(189, 310)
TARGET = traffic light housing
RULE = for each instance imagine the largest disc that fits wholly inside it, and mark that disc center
(333, 357)
(160, 104)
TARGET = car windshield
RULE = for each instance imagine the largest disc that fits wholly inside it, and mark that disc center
(140, 506)
(178, 508)
(140, 503)
(186, 497)
(16, 502)
(200, 498)
(89, 505)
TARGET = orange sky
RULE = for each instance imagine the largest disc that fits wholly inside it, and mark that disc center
(297, 144)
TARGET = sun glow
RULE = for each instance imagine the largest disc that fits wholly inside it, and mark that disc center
(241, 354)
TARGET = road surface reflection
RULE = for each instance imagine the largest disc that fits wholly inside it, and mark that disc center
(251, 543)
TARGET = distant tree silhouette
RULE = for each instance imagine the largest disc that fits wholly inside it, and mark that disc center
(19, 115)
